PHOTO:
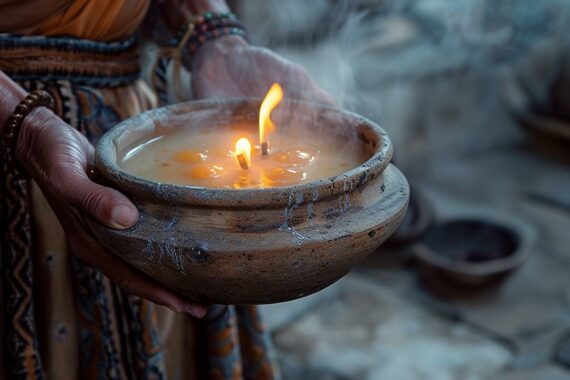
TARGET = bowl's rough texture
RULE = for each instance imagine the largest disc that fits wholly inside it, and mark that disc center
(253, 246)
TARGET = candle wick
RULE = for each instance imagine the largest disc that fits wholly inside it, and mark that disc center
(242, 161)
(264, 148)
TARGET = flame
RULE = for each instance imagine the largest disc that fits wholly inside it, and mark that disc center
(243, 152)
(271, 100)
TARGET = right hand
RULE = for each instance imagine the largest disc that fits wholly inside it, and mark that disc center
(57, 157)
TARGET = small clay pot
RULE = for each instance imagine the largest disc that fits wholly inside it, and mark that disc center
(470, 254)
(544, 114)
(548, 136)
(253, 246)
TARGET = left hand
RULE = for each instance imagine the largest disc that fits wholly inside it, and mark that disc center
(230, 67)
(57, 157)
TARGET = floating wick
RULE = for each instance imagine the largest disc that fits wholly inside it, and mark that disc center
(264, 149)
(242, 161)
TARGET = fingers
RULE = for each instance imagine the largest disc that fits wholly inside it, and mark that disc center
(134, 282)
(322, 96)
(312, 94)
(303, 87)
(103, 204)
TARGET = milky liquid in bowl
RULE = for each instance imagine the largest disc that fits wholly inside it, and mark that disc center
(205, 158)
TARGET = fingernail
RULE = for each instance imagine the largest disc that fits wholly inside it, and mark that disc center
(197, 311)
(124, 216)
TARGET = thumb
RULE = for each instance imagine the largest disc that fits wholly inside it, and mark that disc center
(106, 205)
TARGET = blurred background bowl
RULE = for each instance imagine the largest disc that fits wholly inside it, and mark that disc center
(471, 253)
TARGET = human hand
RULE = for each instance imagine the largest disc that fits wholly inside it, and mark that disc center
(57, 157)
(230, 67)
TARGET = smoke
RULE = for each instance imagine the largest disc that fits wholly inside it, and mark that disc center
(414, 66)
(430, 72)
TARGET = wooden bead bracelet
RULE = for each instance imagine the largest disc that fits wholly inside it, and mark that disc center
(35, 99)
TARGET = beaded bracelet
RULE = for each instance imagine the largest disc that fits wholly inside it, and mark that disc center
(199, 30)
(208, 27)
(38, 98)
(208, 21)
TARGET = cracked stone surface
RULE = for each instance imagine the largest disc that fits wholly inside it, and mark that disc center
(370, 333)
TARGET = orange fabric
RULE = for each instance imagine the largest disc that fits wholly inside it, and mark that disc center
(99, 20)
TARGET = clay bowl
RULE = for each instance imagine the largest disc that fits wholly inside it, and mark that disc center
(549, 133)
(253, 246)
(471, 254)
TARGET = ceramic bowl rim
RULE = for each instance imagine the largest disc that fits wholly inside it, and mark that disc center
(143, 188)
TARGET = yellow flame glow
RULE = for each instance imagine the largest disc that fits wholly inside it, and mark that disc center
(271, 100)
(243, 147)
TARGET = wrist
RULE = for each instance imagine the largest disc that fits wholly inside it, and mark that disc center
(11, 142)
(38, 120)
(222, 31)
(223, 44)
